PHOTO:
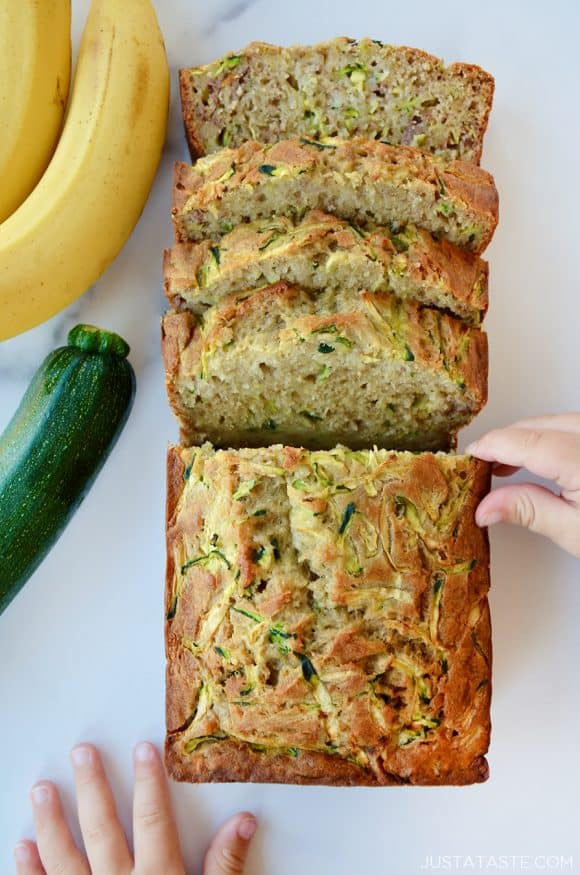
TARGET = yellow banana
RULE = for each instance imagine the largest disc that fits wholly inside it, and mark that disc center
(84, 208)
(34, 81)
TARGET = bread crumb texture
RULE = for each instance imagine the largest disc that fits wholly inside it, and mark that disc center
(321, 252)
(339, 88)
(362, 181)
(282, 365)
(327, 619)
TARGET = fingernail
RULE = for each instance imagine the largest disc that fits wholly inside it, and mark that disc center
(489, 519)
(22, 853)
(81, 755)
(144, 752)
(247, 828)
(40, 794)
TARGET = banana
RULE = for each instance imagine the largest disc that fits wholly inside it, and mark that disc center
(35, 52)
(84, 208)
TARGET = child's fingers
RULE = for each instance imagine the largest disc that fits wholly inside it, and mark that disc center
(534, 508)
(551, 454)
(56, 846)
(154, 829)
(103, 835)
(556, 422)
(27, 859)
(567, 422)
(229, 848)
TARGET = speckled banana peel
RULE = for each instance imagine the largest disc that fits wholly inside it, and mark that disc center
(35, 61)
(84, 208)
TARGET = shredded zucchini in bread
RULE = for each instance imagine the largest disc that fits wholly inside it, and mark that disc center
(327, 619)
(338, 88)
(363, 181)
(281, 365)
(323, 252)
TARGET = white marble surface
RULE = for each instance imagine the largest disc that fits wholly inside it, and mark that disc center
(81, 646)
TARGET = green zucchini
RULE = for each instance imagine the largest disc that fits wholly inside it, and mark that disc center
(56, 443)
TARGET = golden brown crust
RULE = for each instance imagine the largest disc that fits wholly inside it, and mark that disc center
(454, 200)
(452, 753)
(323, 252)
(175, 471)
(232, 762)
(188, 111)
(475, 366)
(177, 704)
(465, 183)
(177, 329)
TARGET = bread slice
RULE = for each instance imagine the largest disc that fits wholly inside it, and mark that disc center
(339, 88)
(362, 181)
(323, 252)
(364, 369)
(327, 617)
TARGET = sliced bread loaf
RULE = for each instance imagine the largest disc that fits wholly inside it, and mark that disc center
(360, 180)
(323, 252)
(338, 88)
(362, 369)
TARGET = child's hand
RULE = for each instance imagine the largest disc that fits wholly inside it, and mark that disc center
(107, 853)
(548, 446)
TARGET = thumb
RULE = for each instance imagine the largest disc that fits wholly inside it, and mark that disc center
(535, 508)
(229, 848)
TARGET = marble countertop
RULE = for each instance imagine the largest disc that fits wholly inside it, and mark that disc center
(82, 650)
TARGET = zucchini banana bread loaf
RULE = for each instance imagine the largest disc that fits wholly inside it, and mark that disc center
(337, 88)
(327, 619)
(360, 180)
(323, 252)
(281, 365)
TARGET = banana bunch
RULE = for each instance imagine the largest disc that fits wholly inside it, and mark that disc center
(87, 202)
(35, 55)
